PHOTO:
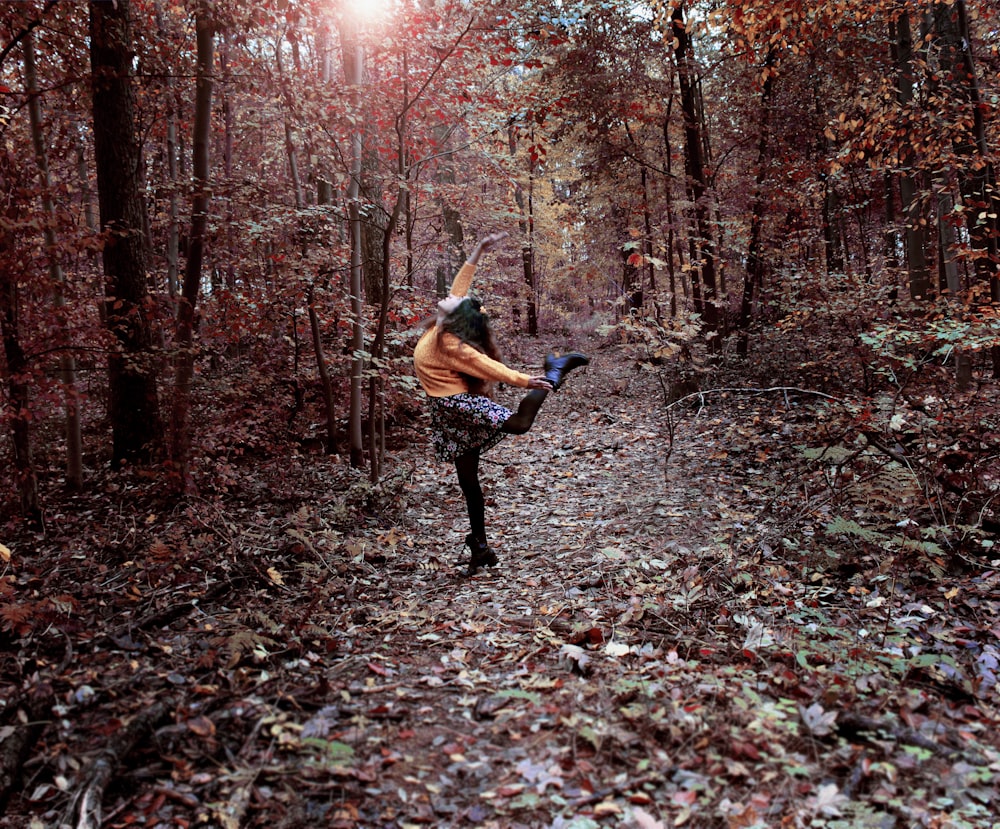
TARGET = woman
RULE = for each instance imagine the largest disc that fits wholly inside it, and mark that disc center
(457, 361)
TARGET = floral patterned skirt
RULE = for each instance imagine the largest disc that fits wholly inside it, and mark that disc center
(464, 422)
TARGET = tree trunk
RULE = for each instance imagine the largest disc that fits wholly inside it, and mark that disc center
(694, 142)
(290, 152)
(323, 197)
(354, 71)
(675, 250)
(173, 202)
(977, 178)
(184, 372)
(376, 390)
(137, 431)
(67, 362)
(18, 393)
(756, 266)
(914, 232)
(526, 221)
(227, 159)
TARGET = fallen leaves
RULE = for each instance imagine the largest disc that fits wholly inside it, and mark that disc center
(650, 653)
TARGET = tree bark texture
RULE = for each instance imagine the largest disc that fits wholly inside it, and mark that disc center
(914, 232)
(25, 478)
(137, 431)
(694, 142)
(354, 62)
(977, 178)
(67, 362)
(753, 284)
(180, 450)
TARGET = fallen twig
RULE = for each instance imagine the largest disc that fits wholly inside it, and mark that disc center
(755, 392)
(856, 724)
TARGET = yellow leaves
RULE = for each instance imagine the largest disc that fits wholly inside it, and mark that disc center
(4, 554)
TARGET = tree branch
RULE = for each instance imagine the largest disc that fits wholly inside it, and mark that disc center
(27, 30)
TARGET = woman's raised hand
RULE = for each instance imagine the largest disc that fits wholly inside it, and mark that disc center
(486, 244)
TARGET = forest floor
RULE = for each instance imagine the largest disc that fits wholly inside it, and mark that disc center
(676, 635)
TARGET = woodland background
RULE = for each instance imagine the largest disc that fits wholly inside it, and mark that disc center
(775, 227)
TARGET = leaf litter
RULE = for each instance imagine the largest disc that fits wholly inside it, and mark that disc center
(668, 641)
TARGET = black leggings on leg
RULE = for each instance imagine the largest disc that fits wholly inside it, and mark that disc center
(520, 422)
(467, 467)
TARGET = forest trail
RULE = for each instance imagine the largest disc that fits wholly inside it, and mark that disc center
(646, 654)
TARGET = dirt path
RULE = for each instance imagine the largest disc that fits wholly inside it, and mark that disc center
(654, 649)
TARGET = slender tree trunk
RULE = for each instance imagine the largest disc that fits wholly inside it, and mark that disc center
(834, 250)
(326, 385)
(949, 279)
(86, 193)
(67, 363)
(694, 144)
(290, 151)
(524, 198)
(453, 254)
(173, 202)
(137, 430)
(914, 233)
(184, 372)
(528, 255)
(354, 70)
(376, 390)
(18, 392)
(227, 157)
(756, 266)
(324, 196)
(675, 250)
(25, 479)
(647, 224)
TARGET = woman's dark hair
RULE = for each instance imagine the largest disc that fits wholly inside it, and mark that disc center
(472, 326)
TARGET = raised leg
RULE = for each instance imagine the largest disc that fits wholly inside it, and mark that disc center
(521, 421)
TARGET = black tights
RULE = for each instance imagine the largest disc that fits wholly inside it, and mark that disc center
(467, 465)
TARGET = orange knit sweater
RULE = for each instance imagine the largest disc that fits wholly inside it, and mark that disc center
(438, 363)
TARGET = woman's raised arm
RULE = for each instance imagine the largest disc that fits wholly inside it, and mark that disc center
(485, 245)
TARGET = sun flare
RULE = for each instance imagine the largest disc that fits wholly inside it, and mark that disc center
(367, 11)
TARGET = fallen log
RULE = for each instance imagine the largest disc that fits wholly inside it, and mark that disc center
(31, 716)
(86, 803)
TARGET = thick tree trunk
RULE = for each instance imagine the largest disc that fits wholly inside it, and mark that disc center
(184, 373)
(67, 362)
(694, 143)
(977, 178)
(137, 431)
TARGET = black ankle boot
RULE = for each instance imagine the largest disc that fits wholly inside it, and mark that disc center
(556, 368)
(482, 555)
